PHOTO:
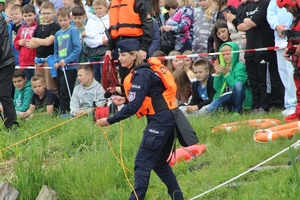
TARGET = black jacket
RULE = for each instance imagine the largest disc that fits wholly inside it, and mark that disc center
(6, 55)
(196, 99)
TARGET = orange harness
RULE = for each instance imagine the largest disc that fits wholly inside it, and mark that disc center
(166, 101)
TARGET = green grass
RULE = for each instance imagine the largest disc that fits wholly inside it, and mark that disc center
(75, 160)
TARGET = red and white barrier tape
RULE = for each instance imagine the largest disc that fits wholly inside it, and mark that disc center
(165, 57)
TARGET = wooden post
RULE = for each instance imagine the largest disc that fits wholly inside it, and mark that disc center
(47, 194)
(7, 192)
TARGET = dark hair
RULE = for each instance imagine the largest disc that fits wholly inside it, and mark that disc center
(28, 8)
(87, 67)
(63, 12)
(221, 3)
(160, 54)
(47, 5)
(19, 72)
(155, 7)
(90, 2)
(78, 2)
(40, 2)
(37, 77)
(78, 11)
(171, 4)
(184, 85)
(220, 23)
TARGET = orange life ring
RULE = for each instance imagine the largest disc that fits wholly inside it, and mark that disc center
(186, 154)
(257, 123)
(280, 131)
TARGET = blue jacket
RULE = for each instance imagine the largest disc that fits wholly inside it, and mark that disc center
(67, 46)
(155, 40)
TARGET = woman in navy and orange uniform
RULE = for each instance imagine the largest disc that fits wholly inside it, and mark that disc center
(143, 86)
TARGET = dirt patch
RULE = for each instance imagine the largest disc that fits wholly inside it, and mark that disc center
(6, 167)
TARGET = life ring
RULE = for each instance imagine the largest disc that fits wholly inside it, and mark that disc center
(256, 123)
(280, 131)
(186, 154)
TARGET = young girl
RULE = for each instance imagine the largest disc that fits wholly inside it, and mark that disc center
(176, 63)
(181, 23)
(205, 18)
(184, 86)
(221, 34)
(222, 8)
(188, 63)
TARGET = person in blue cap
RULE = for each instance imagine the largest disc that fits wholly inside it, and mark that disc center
(140, 84)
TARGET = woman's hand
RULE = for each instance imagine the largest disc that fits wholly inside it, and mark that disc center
(102, 122)
(118, 100)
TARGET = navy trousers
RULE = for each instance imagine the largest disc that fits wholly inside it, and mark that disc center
(153, 153)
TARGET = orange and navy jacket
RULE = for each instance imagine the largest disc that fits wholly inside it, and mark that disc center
(142, 87)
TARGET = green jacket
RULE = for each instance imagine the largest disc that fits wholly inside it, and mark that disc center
(22, 98)
(237, 74)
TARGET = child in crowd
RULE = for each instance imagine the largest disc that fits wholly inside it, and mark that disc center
(79, 17)
(88, 7)
(188, 63)
(230, 82)
(205, 17)
(95, 37)
(202, 89)
(16, 17)
(221, 34)
(70, 4)
(184, 86)
(25, 33)
(67, 49)
(87, 92)
(160, 54)
(176, 63)
(42, 100)
(8, 4)
(37, 4)
(43, 42)
(23, 91)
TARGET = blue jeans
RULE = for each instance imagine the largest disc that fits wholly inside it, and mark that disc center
(97, 68)
(233, 101)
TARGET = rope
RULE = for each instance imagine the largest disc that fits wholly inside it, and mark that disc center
(120, 161)
(295, 145)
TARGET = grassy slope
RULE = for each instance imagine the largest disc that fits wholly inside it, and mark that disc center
(75, 160)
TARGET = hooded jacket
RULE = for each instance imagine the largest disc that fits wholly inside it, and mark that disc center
(22, 98)
(83, 97)
(26, 55)
(95, 31)
(237, 74)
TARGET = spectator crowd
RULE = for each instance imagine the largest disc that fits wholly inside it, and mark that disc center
(59, 38)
